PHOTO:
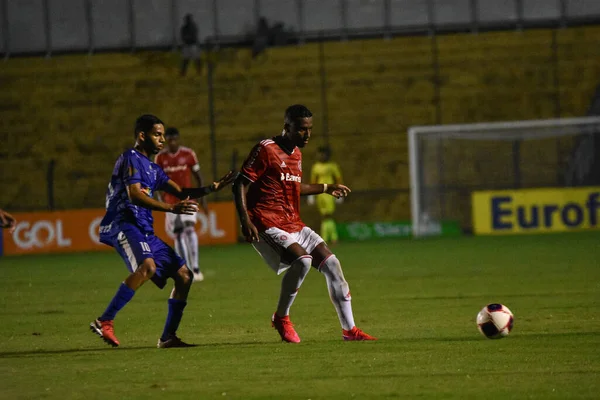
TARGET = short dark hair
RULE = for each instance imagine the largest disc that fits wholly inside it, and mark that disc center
(145, 123)
(171, 132)
(296, 112)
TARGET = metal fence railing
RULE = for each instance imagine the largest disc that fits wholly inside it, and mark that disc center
(55, 26)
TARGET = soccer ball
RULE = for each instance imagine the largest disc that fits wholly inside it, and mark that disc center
(495, 321)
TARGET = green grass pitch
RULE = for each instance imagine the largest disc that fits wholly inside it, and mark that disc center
(420, 297)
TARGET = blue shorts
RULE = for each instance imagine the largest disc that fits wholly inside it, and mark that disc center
(134, 247)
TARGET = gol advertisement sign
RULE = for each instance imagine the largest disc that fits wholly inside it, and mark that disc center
(77, 230)
(536, 210)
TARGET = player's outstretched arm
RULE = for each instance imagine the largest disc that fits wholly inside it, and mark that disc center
(139, 198)
(335, 189)
(200, 180)
(195, 193)
(7, 221)
(240, 190)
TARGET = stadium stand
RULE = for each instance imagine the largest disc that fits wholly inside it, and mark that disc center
(375, 89)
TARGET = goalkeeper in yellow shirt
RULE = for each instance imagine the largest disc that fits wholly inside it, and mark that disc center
(326, 171)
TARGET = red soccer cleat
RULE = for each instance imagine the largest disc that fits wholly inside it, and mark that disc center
(285, 328)
(106, 331)
(356, 334)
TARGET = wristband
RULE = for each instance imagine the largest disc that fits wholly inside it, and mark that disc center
(324, 188)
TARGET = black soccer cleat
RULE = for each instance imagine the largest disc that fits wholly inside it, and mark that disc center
(173, 341)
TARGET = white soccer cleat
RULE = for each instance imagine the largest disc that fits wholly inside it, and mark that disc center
(198, 276)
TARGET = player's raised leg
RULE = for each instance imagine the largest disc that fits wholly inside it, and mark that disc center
(177, 302)
(339, 292)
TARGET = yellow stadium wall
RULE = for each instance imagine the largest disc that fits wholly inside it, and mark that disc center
(80, 109)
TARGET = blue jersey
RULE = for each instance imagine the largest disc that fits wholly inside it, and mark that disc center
(131, 167)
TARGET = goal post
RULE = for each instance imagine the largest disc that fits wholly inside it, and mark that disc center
(448, 162)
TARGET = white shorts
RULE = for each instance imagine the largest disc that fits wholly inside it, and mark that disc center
(274, 241)
(176, 222)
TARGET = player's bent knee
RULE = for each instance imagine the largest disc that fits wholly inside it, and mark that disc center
(331, 267)
(147, 268)
(185, 276)
(331, 263)
(303, 264)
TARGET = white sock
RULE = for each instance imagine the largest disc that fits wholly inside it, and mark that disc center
(291, 282)
(191, 241)
(339, 292)
(181, 248)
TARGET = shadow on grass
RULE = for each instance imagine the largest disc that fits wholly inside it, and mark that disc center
(519, 336)
(42, 352)
(17, 354)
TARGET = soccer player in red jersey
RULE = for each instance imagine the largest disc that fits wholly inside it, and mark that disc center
(267, 196)
(180, 163)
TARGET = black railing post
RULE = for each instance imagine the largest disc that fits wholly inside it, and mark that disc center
(563, 13)
(519, 10)
(387, 19)
(211, 112)
(215, 15)
(556, 77)
(474, 9)
(234, 160)
(131, 20)
(257, 12)
(324, 104)
(50, 183)
(174, 23)
(89, 16)
(300, 13)
(47, 29)
(5, 29)
(344, 15)
(516, 152)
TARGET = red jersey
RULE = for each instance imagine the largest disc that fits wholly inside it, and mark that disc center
(273, 198)
(178, 166)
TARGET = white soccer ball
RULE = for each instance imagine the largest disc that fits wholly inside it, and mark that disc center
(495, 321)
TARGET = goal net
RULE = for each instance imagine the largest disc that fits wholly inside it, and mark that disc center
(449, 162)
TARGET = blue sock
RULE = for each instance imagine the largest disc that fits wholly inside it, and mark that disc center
(122, 297)
(173, 318)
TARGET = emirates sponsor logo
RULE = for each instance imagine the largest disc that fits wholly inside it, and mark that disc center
(290, 178)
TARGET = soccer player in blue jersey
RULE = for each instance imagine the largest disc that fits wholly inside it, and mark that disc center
(127, 226)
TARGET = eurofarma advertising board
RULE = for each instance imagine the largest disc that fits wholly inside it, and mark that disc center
(536, 210)
(77, 230)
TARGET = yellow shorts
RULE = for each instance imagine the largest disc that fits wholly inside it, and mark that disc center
(325, 204)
